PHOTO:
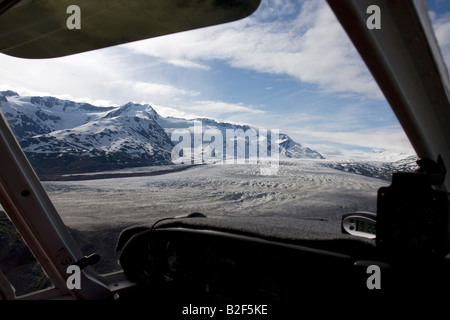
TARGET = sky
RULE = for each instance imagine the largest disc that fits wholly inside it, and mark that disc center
(289, 66)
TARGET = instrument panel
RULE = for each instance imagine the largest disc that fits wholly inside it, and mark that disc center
(178, 269)
(178, 264)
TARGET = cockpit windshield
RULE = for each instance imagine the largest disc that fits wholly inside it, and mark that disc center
(273, 117)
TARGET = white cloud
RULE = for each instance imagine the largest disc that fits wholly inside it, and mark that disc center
(221, 107)
(78, 77)
(101, 77)
(373, 138)
(187, 64)
(166, 111)
(138, 89)
(27, 92)
(332, 152)
(313, 48)
(217, 110)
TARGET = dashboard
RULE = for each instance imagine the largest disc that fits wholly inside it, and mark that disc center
(181, 268)
(182, 265)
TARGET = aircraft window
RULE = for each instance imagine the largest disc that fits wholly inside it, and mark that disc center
(17, 263)
(104, 129)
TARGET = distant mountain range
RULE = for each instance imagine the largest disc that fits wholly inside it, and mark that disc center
(62, 136)
(375, 169)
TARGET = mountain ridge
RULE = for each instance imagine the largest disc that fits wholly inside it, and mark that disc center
(63, 136)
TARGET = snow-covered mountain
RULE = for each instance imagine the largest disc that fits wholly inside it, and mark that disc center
(375, 169)
(288, 148)
(66, 136)
(291, 149)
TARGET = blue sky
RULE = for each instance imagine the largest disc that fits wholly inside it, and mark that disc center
(289, 66)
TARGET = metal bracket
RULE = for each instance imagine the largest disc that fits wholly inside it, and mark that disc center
(88, 260)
